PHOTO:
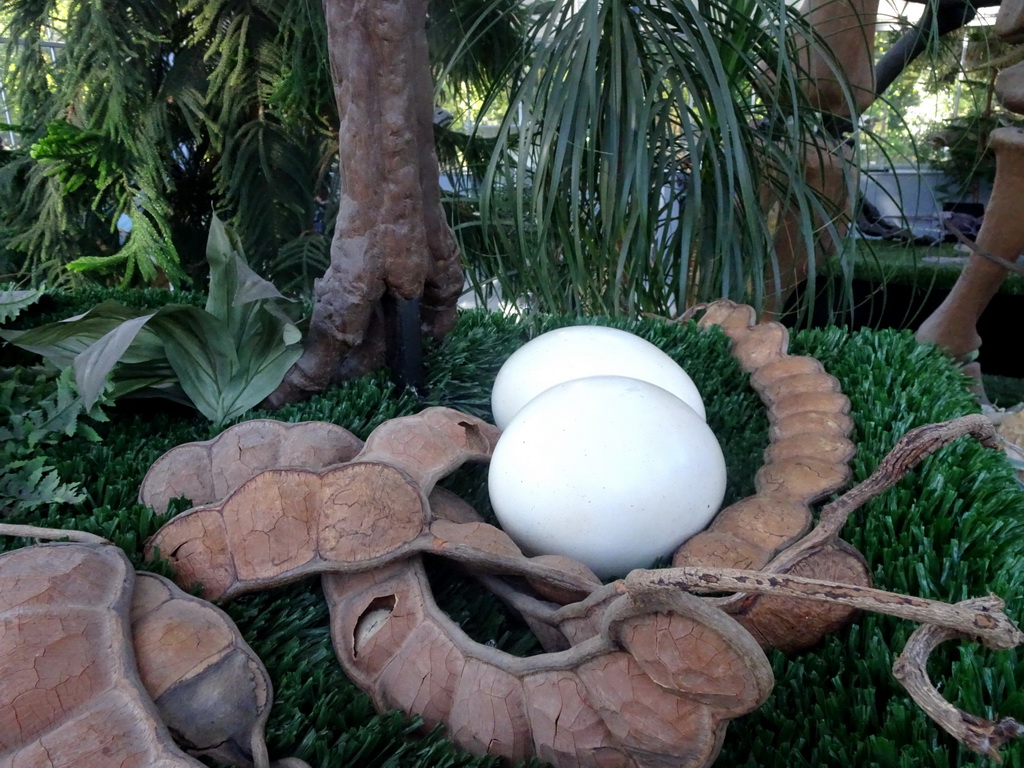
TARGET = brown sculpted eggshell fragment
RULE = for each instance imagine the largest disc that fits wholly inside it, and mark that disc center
(761, 344)
(807, 459)
(211, 690)
(837, 450)
(71, 695)
(801, 479)
(794, 625)
(797, 383)
(283, 524)
(433, 445)
(566, 728)
(691, 650)
(799, 402)
(207, 471)
(721, 548)
(825, 423)
(416, 659)
(769, 379)
(764, 520)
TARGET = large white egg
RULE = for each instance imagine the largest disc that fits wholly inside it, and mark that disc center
(612, 471)
(580, 351)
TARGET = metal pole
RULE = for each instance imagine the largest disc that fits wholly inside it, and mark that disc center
(10, 138)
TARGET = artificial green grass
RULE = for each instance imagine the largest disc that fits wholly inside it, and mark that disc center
(952, 529)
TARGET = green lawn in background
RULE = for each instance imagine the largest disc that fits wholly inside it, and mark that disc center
(935, 266)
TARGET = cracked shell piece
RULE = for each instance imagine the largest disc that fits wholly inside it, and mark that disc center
(656, 686)
(211, 690)
(793, 625)
(284, 524)
(807, 459)
(71, 695)
(208, 471)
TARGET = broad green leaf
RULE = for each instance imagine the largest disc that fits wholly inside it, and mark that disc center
(166, 389)
(94, 364)
(236, 291)
(223, 360)
(250, 286)
(200, 349)
(291, 334)
(61, 342)
(262, 364)
(150, 379)
(289, 330)
(221, 248)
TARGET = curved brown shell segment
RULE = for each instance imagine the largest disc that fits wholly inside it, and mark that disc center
(209, 686)
(807, 458)
(285, 524)
(280, 525)
(794, 625)
(71, 694)
(658, 679)
(431, 444)
(207, 471)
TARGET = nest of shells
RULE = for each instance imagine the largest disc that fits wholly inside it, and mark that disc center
(644, 671)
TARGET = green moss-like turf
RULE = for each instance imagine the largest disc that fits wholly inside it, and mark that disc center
(950, 530)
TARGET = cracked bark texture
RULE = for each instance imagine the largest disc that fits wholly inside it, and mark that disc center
(391, 240)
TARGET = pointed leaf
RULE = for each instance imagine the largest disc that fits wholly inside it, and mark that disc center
(221, 247)
(290, 332)
(262, 364)
(202, 353)
(251, 287)
(61, 342)
(149, 379)
(94, 364)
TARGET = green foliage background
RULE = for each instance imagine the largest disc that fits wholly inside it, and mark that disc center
(950, 530)
(613, 111)
(38, 407)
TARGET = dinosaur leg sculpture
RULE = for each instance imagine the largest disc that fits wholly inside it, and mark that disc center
(848, 27)
(954, 324)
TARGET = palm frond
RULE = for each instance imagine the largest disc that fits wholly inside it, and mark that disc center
(638, 149)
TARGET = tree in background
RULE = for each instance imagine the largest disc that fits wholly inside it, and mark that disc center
(648, 154)
(395, 268)
(645, 156)
(166, 111)
(162, 112)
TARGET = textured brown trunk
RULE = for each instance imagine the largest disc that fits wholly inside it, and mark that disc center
(391, 241)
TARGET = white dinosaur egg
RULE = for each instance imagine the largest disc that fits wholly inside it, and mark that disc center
(612, 471)
(580, 351)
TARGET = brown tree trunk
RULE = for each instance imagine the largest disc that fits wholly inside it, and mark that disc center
(391, 242)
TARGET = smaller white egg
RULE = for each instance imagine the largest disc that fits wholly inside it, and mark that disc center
(611, 471)
(580, 351)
